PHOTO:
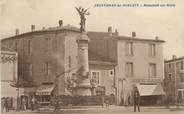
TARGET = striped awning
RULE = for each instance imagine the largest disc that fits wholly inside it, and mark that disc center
(149, 90)
(45, 89)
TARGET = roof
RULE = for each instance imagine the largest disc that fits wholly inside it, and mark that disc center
(90, 33)
(117, 37)
(176, 59)
(50, 29)
(137, 39)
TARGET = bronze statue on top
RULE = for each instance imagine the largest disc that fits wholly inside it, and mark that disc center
(82, 12)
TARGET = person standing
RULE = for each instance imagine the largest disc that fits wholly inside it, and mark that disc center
(6, 104)
(2, 104)
(33, 102)
(23, 103)
(179, 99)
(56, 104)
(136, 99)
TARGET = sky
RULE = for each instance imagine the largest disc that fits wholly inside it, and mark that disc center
(166, 23)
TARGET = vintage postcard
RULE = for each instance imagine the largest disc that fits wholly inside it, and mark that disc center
(92, 56)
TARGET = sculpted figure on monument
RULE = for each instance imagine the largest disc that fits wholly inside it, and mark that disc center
(82, 12)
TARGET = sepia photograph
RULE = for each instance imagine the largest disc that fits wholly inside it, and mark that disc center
(92, 56)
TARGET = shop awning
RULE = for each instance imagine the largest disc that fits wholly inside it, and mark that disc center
(45, 89)
(149, 90)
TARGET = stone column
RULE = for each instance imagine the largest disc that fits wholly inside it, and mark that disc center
(83, 87)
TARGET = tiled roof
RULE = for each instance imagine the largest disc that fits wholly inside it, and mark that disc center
(50, 29)
(116, 37)
(90, 33)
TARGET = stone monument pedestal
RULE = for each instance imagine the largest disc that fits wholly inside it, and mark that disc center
(83, 87)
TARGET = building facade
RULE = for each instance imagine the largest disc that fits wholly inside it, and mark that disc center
(174, 79)
(139, 63)
(8, 75)
(117, 63)
(50, 56)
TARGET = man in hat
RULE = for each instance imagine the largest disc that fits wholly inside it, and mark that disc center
(136, 96)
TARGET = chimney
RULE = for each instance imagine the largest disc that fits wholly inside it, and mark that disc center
(156, 38)
(174, 57)
(110, 30)
(116, 33)
(16, 32)
(133, 34)
(32, 28)
(43, 28)
(60, 23)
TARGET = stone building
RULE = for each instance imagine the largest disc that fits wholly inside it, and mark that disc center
(174, 79)
(48, 59)
(116, 63)
(139, 63)
(8, 75)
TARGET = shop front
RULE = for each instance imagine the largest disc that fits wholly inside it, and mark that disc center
(151, 94)
(44, 93)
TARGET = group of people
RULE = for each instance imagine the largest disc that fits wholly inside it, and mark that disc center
(33, 102)
(6, 104)
(21, 104)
